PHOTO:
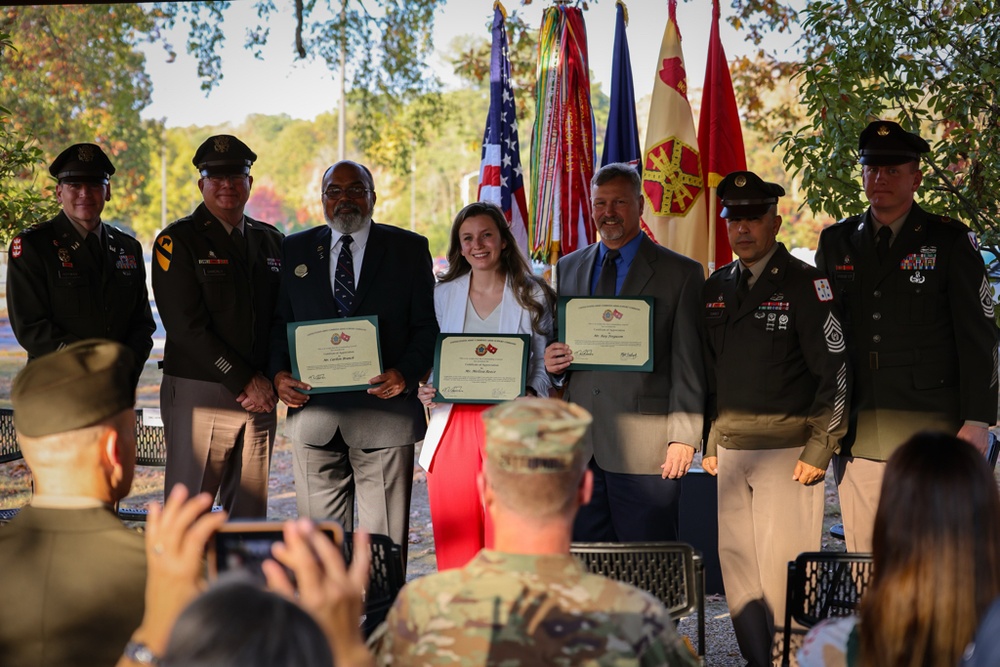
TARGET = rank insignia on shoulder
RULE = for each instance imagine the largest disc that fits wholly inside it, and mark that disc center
(823, 290)
(164, 252)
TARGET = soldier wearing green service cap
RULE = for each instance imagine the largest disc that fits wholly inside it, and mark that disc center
(778, 391)
(919, 318)
(513, 604)
(72, 577)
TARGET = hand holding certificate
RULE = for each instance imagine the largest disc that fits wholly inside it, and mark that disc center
(480, 368)
(335, 355)
(608, 333)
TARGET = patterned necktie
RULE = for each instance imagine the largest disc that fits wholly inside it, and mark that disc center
(743, 286)
(343, 288)
(239, 242)
(882, 243)
(607, 282)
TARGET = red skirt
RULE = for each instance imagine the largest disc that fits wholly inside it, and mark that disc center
(461, 525)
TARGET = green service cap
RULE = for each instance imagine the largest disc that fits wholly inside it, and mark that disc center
(81, 385)
(535, 435)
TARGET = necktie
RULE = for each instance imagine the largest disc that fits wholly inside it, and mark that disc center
(93, 243)
(239, 242)
(882, 243)
(343, 288)
(607, 282)
(743, 286)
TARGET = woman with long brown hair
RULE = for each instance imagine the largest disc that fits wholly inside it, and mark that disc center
(488, 288)
(936, 552)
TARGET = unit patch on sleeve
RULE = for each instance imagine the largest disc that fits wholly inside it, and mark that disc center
(164, 252)
(823, 290)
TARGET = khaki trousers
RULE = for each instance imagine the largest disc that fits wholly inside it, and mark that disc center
(765, 520)
(214, 445)
(859, 485)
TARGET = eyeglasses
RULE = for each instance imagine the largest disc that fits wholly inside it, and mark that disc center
(219, 179)
(354, 192)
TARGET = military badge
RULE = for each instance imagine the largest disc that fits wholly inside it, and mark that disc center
(15, 248)
(64, 255)
(221, 144)
(164, 251)
(301, 271)
(783, 322)
(823, 290)
(85, 153)
(834, 335)
(917, 279)
(771, 319)
(986, 297)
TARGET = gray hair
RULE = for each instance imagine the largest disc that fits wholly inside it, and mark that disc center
(610, 172)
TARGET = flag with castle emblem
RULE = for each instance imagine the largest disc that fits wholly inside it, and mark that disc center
(675, 215)
(501, 180)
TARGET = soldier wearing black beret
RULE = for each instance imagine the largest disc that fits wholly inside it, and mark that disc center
(72, 577)
(215, 277)
(74, 277)
(777, 368)
(920, 322)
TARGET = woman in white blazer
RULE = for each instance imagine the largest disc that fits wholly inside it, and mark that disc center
(488, 288)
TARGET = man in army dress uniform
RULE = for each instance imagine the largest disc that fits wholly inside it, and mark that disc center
(72, 577)
(74, 277)
(528, 601)
(215, 278)
(778, 377)
(919, 320)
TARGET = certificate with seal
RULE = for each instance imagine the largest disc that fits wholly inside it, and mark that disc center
(480, 368)
(608, 333)
(335, 355)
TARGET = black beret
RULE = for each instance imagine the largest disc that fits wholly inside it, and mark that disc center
(223, 154)
(81, 385)
(884, 142)
(745, 195)
(82, 163)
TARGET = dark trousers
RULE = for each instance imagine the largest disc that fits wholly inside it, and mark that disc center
(629, 508)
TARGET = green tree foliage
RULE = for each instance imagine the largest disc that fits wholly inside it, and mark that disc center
(20, 205)
(76, 77)
(930, 64)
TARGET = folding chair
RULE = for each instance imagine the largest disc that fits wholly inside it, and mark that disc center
(385, 581)
(821, 585)
(10, 451)
(671, 571)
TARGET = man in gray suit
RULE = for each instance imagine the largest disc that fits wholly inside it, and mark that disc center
(646, 424)
(357, 442)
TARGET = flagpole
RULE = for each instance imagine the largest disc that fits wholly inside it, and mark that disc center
(712, 206)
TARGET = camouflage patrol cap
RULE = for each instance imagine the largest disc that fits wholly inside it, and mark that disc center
(884, 142)
(535, 436)
(223, 154)
(78, 386)
(745, 195)
(82, 163)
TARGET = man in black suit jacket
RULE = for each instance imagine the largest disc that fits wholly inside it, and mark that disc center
(357, 440)
(646, 424)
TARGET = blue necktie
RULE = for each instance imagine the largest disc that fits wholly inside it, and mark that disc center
(343, 287)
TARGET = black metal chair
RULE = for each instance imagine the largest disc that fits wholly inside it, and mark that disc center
(821, 585)
(10, 451)
(150, 450)
(671, 571)
(385, 581)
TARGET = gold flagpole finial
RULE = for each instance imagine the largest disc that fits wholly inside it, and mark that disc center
(624, 11)
(503, 10)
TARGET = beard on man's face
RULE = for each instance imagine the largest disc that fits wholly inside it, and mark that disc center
(347, 218)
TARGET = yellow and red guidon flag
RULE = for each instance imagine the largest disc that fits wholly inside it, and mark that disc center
(672, 184)
(720, 138)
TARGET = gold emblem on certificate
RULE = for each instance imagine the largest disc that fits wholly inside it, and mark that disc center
(483, 368)
(335, 355)
(608, 333)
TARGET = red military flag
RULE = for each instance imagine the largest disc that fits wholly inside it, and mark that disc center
(672, 181)
(720, 138)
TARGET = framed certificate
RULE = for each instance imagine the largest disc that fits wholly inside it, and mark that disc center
(480, 368)
(608, 333)
(335, 355)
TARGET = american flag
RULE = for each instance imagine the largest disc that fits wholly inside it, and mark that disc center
(501, 179)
